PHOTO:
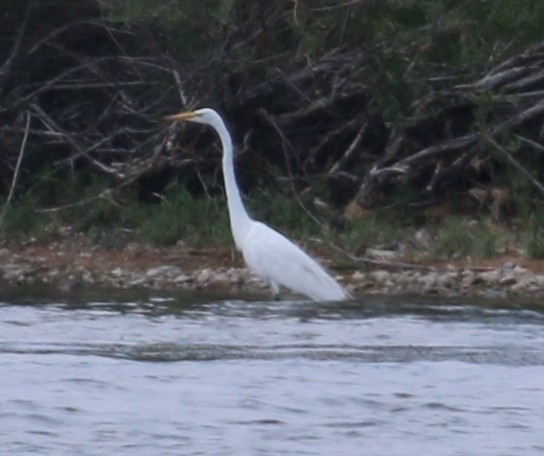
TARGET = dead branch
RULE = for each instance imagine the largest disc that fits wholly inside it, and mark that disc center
(53, 126)
(17, 169)
(349, 151)
(532, 144)
(522, 169)
(382, 263)
(446, 160)
(8, 63)
(312, 118)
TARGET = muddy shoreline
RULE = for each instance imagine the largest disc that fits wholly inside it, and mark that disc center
(71, 265)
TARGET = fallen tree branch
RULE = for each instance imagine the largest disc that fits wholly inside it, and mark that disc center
(17, 169)
(52, 125)
(349, 151)
(516, 163)
(532, 144)
(383, 263)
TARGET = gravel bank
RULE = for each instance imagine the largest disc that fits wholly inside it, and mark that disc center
(70, 265)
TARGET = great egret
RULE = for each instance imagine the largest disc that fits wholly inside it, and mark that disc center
(269, 254)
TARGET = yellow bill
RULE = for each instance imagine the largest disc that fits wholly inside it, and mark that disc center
(181, 117)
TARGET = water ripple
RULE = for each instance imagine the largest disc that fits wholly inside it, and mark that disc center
(169, 377)
(171, 352)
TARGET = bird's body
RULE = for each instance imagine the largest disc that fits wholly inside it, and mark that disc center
(280, 262)
(269, 254)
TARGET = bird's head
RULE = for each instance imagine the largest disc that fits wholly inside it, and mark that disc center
(204, 116)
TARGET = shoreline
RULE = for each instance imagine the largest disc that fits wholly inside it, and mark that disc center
(71, 265)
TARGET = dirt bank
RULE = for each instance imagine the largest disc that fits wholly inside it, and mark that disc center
(71, 263)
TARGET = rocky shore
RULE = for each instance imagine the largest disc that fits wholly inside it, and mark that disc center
(71, 264)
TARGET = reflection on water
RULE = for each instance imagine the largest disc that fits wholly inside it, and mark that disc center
(195, 376)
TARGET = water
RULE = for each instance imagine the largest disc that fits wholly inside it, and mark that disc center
(168, 376)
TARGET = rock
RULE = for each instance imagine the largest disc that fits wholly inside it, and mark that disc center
(117, 272)
(219, 277)
(488, 277)
(87, 277)
(525, 283)
(508, 280)
(508, 265)
(203, 276)
(358, 276)
(539, 280)
(382, 254)
(164, 271)
(519, 270)
(423, 239)
(429, 282)
(448, 280)
(467, 277)
(137, 282)
(182, 279)
(16, 273)
(379, 275)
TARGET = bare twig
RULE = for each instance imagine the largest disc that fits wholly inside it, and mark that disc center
(516, 163)
(496, 80)
(349, 151)
(102, 194)
(329, 137)
(51, 124)
(532, 144)
(388, 264)
(285, 142)
(8, 64)
(527, 81)
(295, 12)
(17, 169)
(460, 143)
(179, 85)
(342, 5)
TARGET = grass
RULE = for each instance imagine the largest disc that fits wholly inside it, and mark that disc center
(114, 220)
(117, 218)
(21, 222)
(533, 237)
(374, 230)
(284, 213)
(462, 236)
(182, 217)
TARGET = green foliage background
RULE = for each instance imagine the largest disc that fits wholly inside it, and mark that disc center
(407, 41)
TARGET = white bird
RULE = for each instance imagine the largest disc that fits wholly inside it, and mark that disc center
(269, 254)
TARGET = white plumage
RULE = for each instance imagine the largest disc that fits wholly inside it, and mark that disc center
(269, 254)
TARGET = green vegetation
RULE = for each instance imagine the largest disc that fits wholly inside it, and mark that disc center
(113, 221)
(533, 241)
(406, 42)
(375, 230)
(462, 237)
(285, 212)
(182, 217)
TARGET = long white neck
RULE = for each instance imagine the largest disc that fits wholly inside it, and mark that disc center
(239, 219)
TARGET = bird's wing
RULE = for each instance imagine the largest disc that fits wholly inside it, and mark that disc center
(276, 259)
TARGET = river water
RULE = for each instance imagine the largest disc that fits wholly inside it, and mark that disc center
(197, 375)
